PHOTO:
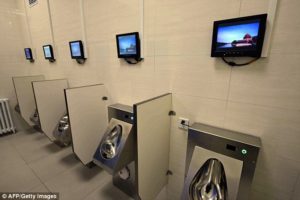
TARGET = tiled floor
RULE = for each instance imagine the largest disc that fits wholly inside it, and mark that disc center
(31, 163)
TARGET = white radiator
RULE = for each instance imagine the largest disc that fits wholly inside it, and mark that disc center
(6, 122)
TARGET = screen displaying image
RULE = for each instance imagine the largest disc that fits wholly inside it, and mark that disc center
(28, 53)
(238, 35)
(47, 52)
(127, 45)
(75, 49)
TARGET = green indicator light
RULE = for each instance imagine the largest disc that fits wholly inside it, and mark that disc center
(244, 151)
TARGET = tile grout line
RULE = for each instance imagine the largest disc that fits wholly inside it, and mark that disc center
(30, 167)
(240, 102)
(40, 180)
(24, 159)
(91, 192)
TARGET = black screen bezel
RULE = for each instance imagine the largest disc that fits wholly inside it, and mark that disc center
(240, 52)
(51, 51)
(81, 49)
(138, 46)
(30, 52)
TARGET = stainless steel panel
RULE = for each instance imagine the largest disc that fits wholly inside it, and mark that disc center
(227, 134)
(121, 112)
(62, 131)
(116, 152)
(236, 145)
(116, 148)
(209, 183)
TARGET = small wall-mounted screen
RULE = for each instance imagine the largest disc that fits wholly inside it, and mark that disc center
(28, 54)
(76, 49)
(239, 37)
(128, 45)
(48, 52)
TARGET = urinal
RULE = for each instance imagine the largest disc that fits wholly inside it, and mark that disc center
(111, 143)
(115, 149)
(17, 109)
(35, 117)
(62, 132)
(209, 183)
(116, 152)
(220, 164)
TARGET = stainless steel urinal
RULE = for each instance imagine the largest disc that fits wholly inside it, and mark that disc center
(111, 143)
(209, 183)
(220, 164)
(116, 152)
(17, 109)
(35, 117)
(116, 149)
(62, 132)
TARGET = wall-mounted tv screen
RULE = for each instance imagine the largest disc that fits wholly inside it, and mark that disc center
(239, 37)
(76, 49)
(48, 52)
(28, 54)
(128, 45)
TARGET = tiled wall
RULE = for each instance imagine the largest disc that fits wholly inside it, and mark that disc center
(12, 63)
(11, 46)
(260, 99)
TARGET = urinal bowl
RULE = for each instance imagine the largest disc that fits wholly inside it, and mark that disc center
(110, 146)
(34, 118)
(62, 131)
(116, 152)
(116, 149)
(209, 183)
(17, 109)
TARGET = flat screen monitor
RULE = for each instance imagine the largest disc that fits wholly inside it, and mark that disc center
(48, 52)
(239, 37)
(76, 49)
(28, 54)
(128, 45)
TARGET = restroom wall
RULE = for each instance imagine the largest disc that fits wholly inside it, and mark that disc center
(12, 40)
(261, 99)
(11, 47)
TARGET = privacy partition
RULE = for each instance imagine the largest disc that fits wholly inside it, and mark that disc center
(87, 108)
(50, 103)
(25, 95)
(153, 123)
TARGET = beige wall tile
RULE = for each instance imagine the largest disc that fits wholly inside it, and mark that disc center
(184, 25)
(12, 37)
(254, 7)
(278, 161)
(197, 109)
(274, 81)
(38, 20)
(66, 12)
(274, 126)
(192, 75)
(285, 36)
